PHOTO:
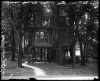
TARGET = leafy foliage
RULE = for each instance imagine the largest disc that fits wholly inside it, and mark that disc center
(78, 20)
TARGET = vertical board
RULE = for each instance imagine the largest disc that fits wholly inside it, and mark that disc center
(50, 37)
(33, 38)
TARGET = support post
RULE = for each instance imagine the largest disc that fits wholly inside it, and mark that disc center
(47, 54)
(50, 59)
(24, 44)
(74, 58)
(13, 46)
(81, 51)
(35, 52)
(67, 53)
(44, 53)
(41, 53)
(20, 49)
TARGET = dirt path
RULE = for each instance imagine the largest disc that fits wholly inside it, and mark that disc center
(45, 70)
(37, 71)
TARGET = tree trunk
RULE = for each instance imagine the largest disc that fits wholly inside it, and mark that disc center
(34, 15)
(13, 46)
(41, 20)
(81, 52)
(60, 49)
(74, 58)
(71, 53)
(85, 54)
(13, 39)
(59, 36)
(20, 49)
(64, 52)
(24, 45)
(67, 54)
(84, 46)
(87, 45)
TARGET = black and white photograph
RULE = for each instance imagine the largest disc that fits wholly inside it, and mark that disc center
(50, 40)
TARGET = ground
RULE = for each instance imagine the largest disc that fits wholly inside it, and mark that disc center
(41, 70)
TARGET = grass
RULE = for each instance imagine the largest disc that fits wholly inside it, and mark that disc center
(13, 70)
(55, 69)
(51, 69)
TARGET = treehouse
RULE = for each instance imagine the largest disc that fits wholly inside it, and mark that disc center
(41, 38)
(43, 41)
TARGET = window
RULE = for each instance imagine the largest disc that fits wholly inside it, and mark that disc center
(41, 38)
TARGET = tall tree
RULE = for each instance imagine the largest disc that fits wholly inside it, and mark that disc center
(59, 37)
(87, 24)
(8, 24)
(13, 38)
(20, 17)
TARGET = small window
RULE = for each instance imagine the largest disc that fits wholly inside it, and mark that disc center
(41, 38)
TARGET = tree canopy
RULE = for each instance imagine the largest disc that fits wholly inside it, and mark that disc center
(79, 19)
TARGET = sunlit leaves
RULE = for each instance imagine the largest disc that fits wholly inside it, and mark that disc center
(6, 19)
(47, 9)
(83, 12)
(96, 22)
(95, 4)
